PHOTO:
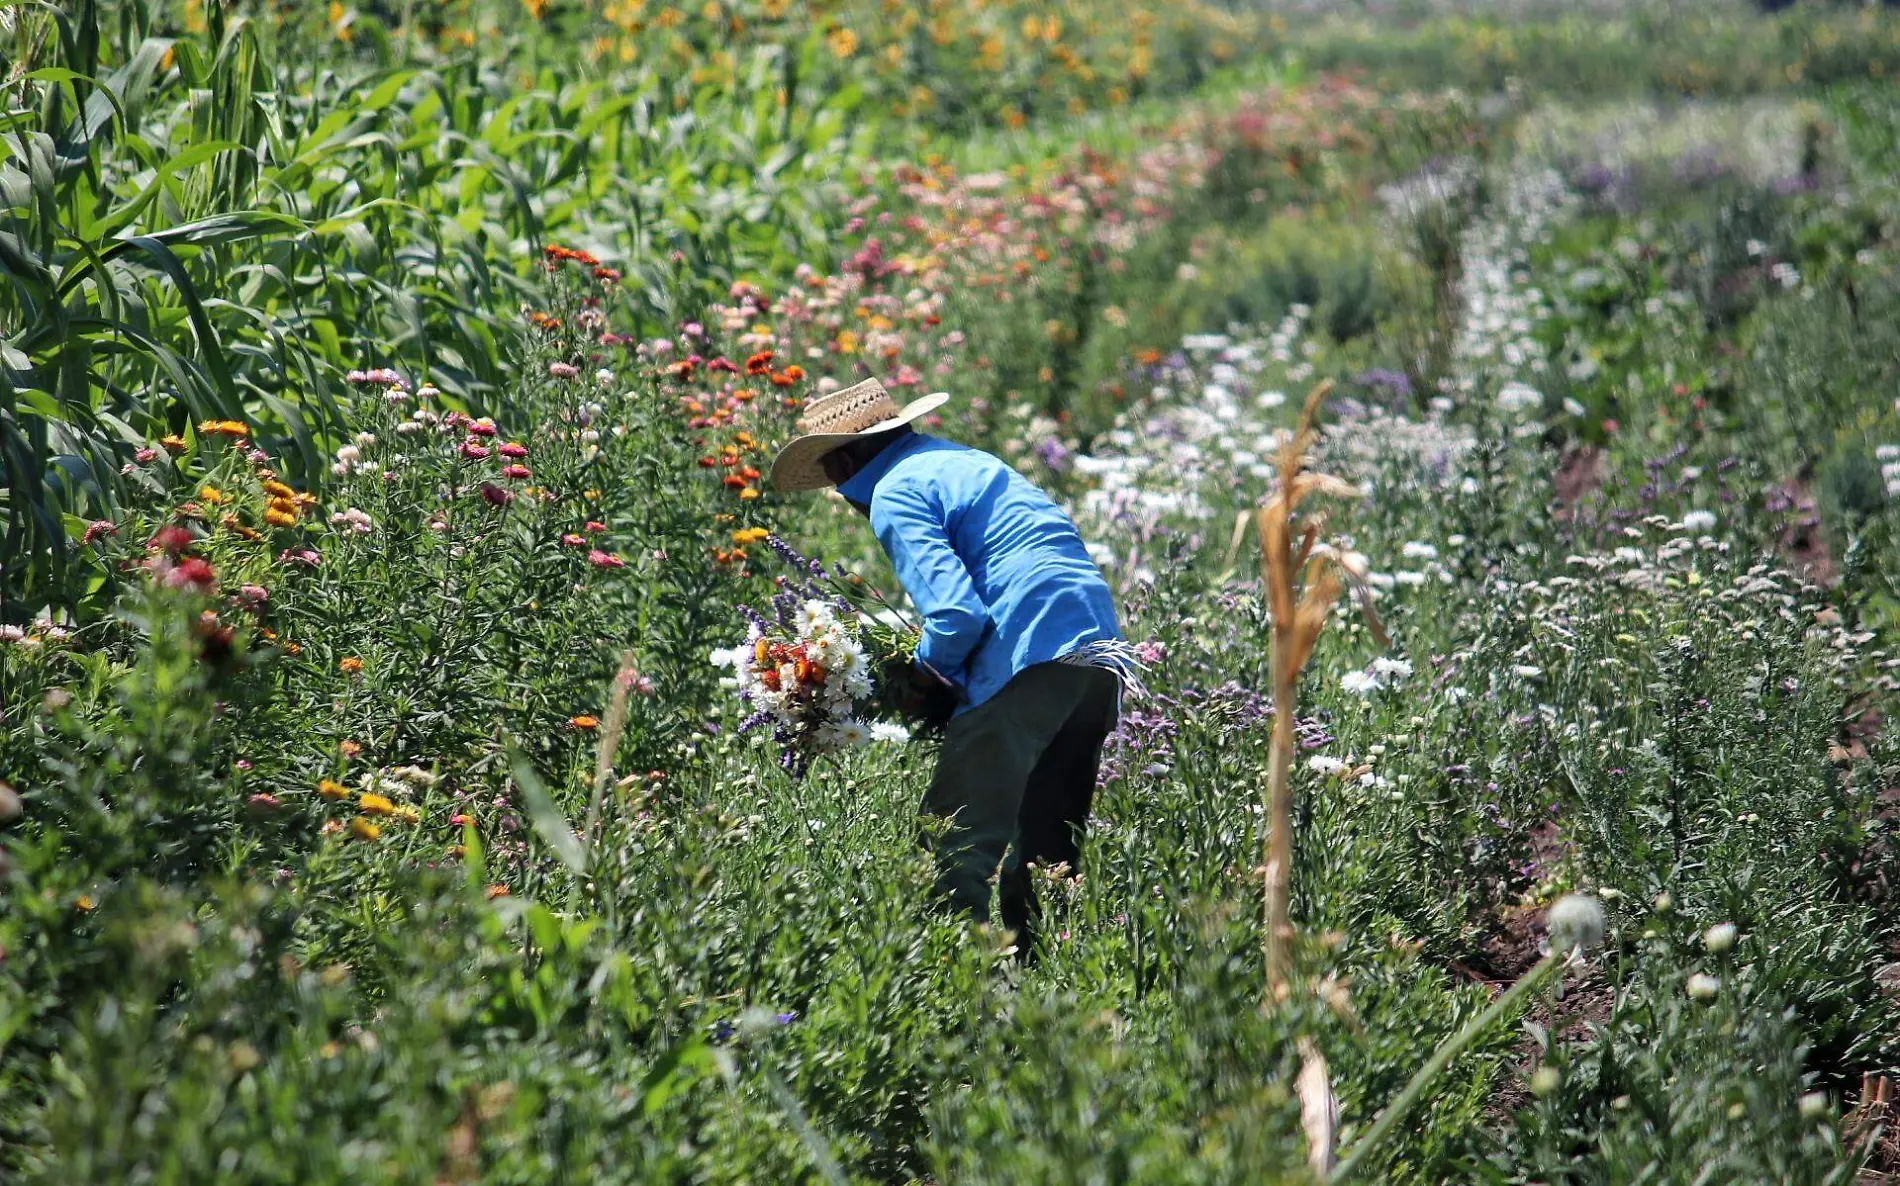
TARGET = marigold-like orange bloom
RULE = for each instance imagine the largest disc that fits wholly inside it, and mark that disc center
(173, 444)
(584, 722)
(349, 749)
(224, 428)
(759, 364)
(350, 665)
(497, 891)
(278, 490)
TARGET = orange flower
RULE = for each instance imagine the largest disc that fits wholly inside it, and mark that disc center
(278, 490)
(350, 665)
(759, 364)
(584, 722)
(173, 444)
(497, 891)
(363, 829)
(223, 428)
(370, 804)
(350, 748)
(329, 788)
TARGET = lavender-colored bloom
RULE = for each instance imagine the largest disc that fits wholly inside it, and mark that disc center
(1054, 454)
(1393, 381)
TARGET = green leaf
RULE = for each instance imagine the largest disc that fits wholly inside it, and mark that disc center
(542, 812)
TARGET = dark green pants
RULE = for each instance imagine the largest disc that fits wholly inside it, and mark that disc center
(1015, 780)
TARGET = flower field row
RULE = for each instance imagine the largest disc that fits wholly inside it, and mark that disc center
(377, 796)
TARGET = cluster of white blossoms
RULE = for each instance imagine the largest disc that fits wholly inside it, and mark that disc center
(811, 684)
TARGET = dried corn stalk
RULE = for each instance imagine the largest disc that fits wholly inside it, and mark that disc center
(1304, 576)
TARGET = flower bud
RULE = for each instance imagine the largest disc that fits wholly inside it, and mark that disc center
(1575, 923)
(1719, 938)
(1702, 988)
(1546, 1081)
(1813, 1105)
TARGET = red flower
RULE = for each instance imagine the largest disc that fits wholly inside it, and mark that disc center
(708, 462)
(515, 471)
(191, 573)
(512, 449)
(723, 364)
(759, 364)
(172, 540)
(733, 480)
(600, 559)
(99, 527)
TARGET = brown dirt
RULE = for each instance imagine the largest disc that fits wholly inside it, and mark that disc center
(1804, 542)
(1578, 475)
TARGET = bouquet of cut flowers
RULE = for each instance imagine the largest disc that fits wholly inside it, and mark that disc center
(831, 667)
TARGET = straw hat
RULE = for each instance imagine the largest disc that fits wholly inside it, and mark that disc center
(836, 419)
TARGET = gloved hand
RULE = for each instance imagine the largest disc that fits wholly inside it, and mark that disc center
(920, 695)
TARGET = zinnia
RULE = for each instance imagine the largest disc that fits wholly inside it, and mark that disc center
(600, 559)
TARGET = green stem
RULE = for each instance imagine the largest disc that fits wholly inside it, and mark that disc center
(1395, 1111)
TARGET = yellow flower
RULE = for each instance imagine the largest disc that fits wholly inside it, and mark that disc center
(408, 814)
(173, 443)
(847, 343)
(370, 804)
(329, 788)
(843, 42)
(363, 829)
(211, 494)
(277, 489)
(84, 904)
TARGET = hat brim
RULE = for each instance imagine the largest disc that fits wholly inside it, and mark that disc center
(797, 465)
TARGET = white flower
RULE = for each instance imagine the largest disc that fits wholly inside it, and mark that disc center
(1719, 938)
(1418, 550)
(1384, 668)
(1575, 921)
(1321, 764)
(1526, 671)
(889, 731)
(1697, 522)
(1359, 683)
(813, 618)
(1516, 397)
(1702, 988)
(365, 439)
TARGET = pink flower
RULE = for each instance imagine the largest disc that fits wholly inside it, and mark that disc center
(515, 471)
(571, 540)
(562, 370)
(254, 596)
(482, 428)
(307, 557)
(146, 456)
(473, 450)
(512, 449)
(600, 559)
(99, 527)
(189, 573)
(495, 496)
(1151, 651)
(595, 526)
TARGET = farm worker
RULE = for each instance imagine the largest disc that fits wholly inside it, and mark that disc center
(1019, 637)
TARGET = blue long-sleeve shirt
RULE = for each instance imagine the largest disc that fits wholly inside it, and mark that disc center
(997, 570)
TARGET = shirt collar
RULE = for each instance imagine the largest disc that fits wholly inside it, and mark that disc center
(859, 486)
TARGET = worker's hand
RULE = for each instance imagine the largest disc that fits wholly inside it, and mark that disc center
(918, 694)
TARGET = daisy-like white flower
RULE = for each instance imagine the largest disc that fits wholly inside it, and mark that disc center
(1359, 683)
(812, 618)
(889, 731)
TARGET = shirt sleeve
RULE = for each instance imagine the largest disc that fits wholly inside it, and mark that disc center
(910, 526)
